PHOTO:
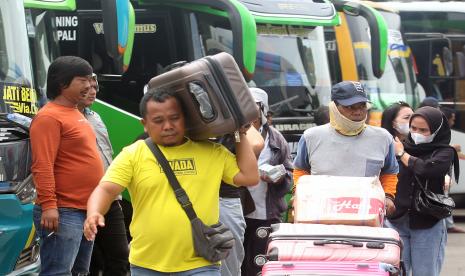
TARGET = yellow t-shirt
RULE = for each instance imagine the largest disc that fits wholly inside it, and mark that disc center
(161, 231)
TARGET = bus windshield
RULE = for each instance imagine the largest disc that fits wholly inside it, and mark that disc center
(15, 64)
(292, 67)
(398, 81)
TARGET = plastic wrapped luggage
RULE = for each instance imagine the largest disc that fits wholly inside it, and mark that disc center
(214, 95)
(339, 200)
(333, 243)
(328, 268)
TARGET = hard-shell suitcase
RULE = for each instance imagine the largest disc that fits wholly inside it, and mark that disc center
(339, 200)
(328, 268)
(215, 97)
(320, 242)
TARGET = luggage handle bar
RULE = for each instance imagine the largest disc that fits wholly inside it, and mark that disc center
(174, 65)
(344, 242)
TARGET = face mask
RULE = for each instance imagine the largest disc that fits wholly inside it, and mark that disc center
(403, 129)
(342, 124)
(422, 139)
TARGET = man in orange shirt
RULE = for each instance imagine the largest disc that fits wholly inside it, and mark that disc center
(66, 167)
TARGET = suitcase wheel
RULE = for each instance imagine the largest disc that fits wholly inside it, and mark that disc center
(260, 260)
(262, 232)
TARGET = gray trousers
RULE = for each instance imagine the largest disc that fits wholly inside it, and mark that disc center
(231, 215)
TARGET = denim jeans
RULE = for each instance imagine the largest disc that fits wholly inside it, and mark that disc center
(211, 270)
(449, 222)
(424, 249)
(64, 252)
(111, 250)
(231, 216)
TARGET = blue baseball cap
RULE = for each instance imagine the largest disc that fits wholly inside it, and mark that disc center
(348, 93)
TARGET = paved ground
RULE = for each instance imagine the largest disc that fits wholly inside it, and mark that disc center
(454, 264)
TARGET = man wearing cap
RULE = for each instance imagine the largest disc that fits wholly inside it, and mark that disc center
(268, 195)
(347, 146)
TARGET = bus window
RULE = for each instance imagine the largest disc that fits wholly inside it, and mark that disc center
(398, 80)
(215, 34)
(292, 67)
(16, 79)
(154, 48)
(43, 43)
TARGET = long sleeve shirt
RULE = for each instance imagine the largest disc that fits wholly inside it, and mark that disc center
(66, 165)
(430, 169)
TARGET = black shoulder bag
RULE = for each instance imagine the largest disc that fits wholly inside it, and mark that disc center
(432, 204)
(210, 242)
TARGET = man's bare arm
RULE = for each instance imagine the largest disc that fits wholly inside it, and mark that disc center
(98, 204)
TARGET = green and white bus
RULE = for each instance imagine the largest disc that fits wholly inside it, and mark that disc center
(398, 81)
(280, 47)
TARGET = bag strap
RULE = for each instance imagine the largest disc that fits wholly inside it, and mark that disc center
(179, 192)
(419, 183)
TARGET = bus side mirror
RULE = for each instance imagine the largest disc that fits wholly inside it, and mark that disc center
(379, 38)
(118, 27)
(378, 32)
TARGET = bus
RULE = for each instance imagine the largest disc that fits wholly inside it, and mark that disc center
(164, 33)
(19, 246)
(22, 94)
(398, 81)
(280, 47)
(436, 33)
(293, 65)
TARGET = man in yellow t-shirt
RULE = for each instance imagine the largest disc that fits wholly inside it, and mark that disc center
(162, 238)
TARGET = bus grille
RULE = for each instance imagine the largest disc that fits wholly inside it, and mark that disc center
(28, 256)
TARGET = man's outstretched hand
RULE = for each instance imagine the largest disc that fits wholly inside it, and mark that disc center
(91, 223)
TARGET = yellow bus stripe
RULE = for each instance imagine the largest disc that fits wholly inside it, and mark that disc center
(345, 50)
(31, 236)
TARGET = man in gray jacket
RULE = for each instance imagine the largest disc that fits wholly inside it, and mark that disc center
(268, 195)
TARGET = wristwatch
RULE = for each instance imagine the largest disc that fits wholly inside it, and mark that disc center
(400, 154)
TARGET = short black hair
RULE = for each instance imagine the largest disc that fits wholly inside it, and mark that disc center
(448, 111)
(159, 95)
(389, 114)
(321, 116)
(62, 71)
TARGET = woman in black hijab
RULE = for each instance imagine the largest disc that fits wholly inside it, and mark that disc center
(425, 153)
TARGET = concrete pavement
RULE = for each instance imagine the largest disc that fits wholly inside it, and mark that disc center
(454, 263)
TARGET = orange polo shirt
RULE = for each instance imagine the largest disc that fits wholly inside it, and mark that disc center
(66, 164)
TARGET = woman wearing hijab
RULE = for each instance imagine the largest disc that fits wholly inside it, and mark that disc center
(426, 155)
(396, 118)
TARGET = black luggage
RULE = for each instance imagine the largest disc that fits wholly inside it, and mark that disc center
(215, 97)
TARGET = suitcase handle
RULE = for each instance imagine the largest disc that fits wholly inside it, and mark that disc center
(345, 242)
(174, 65)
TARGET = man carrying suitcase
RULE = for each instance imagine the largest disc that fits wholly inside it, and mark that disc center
(347, 146)
(162, 236)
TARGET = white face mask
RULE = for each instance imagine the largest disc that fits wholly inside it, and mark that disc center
(422, 139)
(403, 129)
